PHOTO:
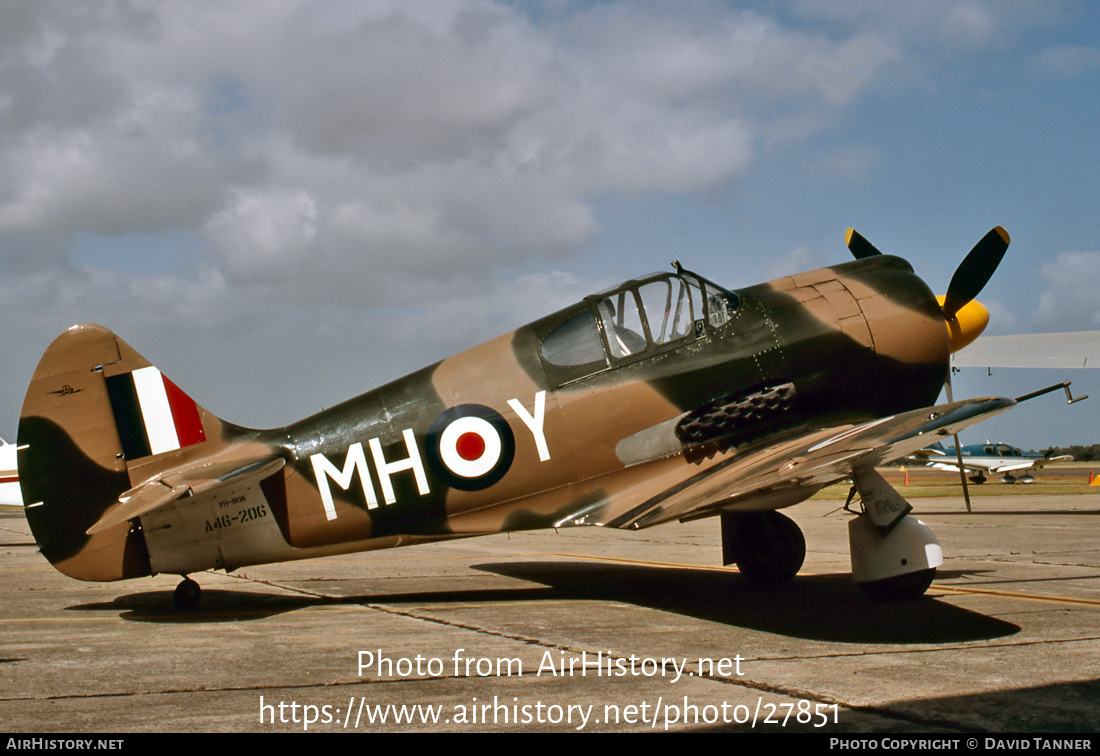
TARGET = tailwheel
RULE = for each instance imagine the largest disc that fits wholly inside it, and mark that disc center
(187, 596)
(767, 547)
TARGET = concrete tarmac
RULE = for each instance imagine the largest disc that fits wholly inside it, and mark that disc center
(584, 629)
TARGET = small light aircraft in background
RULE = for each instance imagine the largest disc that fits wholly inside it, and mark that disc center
(665, 398)
(10, 495)
(996, 459)
(1070, 349)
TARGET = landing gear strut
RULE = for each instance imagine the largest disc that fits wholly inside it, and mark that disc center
(766, 546)
(187, 596)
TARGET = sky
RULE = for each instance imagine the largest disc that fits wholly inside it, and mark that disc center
(283, 204)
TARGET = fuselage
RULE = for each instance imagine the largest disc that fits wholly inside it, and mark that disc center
(641, 374)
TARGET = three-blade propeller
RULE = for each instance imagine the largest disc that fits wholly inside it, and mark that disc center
(965, 316)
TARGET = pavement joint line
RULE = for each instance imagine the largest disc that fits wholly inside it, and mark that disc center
(963, 591)
(290, 588)
(224, 689)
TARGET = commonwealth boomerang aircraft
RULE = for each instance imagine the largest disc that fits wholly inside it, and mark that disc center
(665, 398)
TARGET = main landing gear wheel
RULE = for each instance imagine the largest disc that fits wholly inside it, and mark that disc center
(187, 596)
(766, 546)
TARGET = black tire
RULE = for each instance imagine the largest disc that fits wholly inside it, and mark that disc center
(188, 595)
(907, 587)
(767, 547)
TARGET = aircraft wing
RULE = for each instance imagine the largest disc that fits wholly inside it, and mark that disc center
(1026, 464)
(1013, 465)
(781, 474)
(954, 466)
(1080, 349)
(994, 465)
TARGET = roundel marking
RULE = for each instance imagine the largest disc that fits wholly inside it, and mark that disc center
(470, 447)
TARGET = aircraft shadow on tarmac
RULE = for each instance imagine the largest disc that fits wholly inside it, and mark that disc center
(822, 607)
(217, 606)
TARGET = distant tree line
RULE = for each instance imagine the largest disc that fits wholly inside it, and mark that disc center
(1090, 453)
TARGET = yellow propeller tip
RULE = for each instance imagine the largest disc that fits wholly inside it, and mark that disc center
(848, 236)
(1002, 233)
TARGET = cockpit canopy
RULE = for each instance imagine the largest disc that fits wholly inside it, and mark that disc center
(641, 316)
(1002, 450)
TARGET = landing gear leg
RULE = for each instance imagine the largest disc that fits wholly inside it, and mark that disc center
(187, 596)
(766, 546)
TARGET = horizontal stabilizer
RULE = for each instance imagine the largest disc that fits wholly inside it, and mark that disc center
(177, 483)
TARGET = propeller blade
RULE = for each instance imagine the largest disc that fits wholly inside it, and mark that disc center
(958, 447)
(858, 246)
(975, 271)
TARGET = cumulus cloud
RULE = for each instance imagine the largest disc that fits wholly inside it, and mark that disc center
(360, 175)
(854, 162)
(1066, 61)
(1070, 299)
(798, 259)
(308, 143)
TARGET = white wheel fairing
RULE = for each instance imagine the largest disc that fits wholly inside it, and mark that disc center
(470, 447)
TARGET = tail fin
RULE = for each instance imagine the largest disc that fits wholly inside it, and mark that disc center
(97, 420)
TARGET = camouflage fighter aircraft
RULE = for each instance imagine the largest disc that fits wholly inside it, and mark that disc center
(665, 398)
